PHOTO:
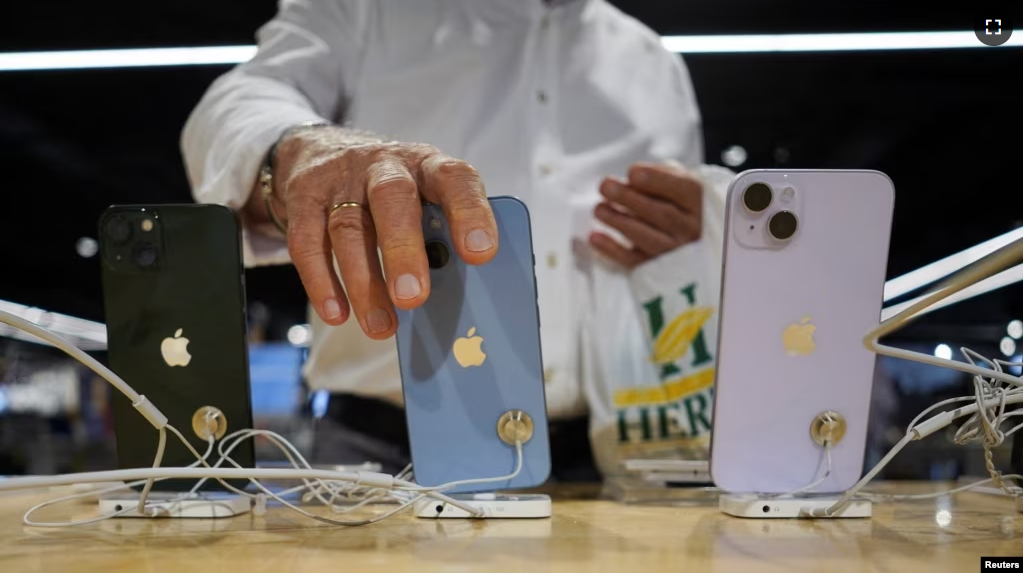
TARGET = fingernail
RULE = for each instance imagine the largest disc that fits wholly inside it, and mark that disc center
(407, 286)
(639, 176)
(331, 309)
(613, 187)
(378, 321)
(478, 240)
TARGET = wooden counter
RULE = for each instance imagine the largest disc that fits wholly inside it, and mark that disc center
(944, 534)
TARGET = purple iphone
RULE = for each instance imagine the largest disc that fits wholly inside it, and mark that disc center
(805, 257)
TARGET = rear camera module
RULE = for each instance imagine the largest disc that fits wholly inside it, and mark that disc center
(117, 230)
(437, 254)
(144, 255)
(757, 197)
(782, 225)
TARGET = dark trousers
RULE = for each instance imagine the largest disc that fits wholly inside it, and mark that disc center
(356, 430)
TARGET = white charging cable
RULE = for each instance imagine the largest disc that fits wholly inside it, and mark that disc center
(825, 465)
(988, 407)
(994, 388)
(365, 486)
(27, 519)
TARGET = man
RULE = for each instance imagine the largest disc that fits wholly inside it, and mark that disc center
(448, 101)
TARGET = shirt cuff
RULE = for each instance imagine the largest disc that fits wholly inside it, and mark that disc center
(259, 249)
(233, 183)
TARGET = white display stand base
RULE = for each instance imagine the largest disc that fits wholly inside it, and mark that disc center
(207, 505)
(494, 506)
(764, 507)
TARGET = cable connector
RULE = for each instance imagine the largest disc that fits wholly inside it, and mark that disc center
(150, 412)
(259, 505)
(374, 479)
(928, 427)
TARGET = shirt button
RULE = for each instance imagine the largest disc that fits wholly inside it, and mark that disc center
(545, 22)
(548, 375)
(545, 169)
(552, 260)
(541, 96)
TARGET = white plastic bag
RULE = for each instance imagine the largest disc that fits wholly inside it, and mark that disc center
(648, 366)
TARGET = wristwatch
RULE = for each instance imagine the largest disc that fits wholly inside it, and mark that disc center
(266, 173)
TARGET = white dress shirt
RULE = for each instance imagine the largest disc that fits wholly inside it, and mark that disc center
(544, 99)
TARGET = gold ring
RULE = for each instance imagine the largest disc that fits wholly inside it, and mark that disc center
(343, 205)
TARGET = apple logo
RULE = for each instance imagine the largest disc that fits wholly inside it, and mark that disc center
(468, 351)
(175, 350)
(798, 338)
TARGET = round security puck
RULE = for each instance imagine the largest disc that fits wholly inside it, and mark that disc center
(515, 426)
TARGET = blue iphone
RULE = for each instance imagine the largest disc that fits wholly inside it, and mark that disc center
(471, 354)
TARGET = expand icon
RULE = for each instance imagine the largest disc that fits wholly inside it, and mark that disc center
(993, 29)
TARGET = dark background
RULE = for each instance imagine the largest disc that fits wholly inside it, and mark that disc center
(945, 125)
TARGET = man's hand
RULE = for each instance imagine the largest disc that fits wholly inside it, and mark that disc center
(660, 208)
(348, 195)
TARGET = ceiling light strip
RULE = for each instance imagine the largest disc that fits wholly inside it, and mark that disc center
(721, 44)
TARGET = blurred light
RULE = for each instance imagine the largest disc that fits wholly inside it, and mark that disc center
(943, 518)
(86, 247)
(943, 351)
(1007, 526)
(321, 398)
(132, 58)
(781, 155)
(1015, 329)
(734, 156)
(85, 334)
(3, 401)
(746, 43)
(1007, 346)
(726, 44)
(1018, 359)
(46, 392)
(299, 335)
(938, 270)
(258, 312)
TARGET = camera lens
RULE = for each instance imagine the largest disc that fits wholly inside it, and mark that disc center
(437, 254)
(757, 197)
(118, 230)
(782, 225)
(144, 255)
